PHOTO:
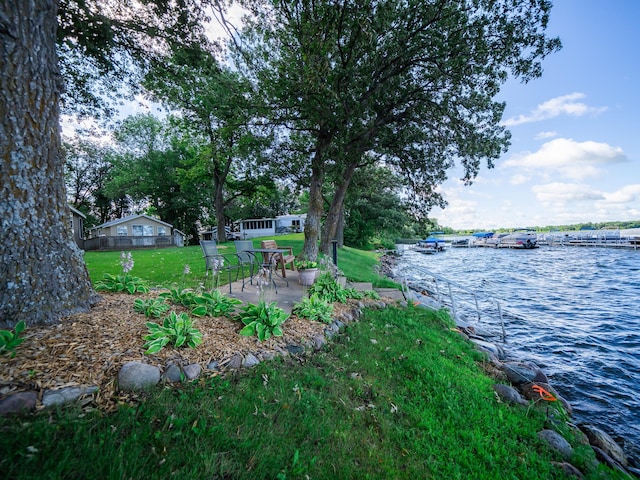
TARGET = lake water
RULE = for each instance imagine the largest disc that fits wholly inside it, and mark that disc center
(573, 311)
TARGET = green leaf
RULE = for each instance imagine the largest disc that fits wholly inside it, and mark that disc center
(249, 330)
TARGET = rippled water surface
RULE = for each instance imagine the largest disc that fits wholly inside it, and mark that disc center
(573, 311)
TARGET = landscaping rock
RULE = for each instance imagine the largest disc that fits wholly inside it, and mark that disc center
(602, 440)
(173, 374)
(137, 376)
(192, 371)
(66, 395)
(235, 362)
(319, 341)
(295, 349)
(509, 394)
(250, 360)
(18, 402)
(267, 356)
(215, 366)
(556, 442)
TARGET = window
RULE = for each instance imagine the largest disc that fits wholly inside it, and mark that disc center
(137, 230)
(258, 224)
(147, 230)
(122, 231)
(162, 231)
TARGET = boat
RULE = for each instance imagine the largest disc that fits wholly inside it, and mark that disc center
(460, 242)
(432, 244)
(484, 239)
(520, 238)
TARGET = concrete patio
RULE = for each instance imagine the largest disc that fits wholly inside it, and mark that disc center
(287, 296)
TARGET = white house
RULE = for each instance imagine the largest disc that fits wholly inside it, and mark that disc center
(265, 227)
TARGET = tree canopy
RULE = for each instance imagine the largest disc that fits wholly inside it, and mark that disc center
(410, 83)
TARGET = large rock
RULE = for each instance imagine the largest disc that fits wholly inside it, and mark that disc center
(556, 442)
(602, 440)
(509, 394)
(529, 390)
(520, 373)
(138, 376)
(66, 395)
(18, 403)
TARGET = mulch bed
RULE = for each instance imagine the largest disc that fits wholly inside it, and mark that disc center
(90, 348)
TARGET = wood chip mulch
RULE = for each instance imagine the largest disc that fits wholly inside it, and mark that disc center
(90, 348)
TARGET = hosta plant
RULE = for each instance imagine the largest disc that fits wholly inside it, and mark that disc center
(176, 329)
(314, 308)
(125, 282)
(214, 304)
(263, 320)
(179, 296)
(10, 340)
(152, 307)
(326, 288)
(122, 283)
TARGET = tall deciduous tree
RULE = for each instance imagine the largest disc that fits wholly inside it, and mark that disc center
(413, 82)
(43, 276)
(216, 102)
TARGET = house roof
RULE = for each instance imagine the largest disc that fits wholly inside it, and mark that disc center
(77, 212)
(130, 217)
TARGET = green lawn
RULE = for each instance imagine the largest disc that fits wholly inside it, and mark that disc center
(398, 394)
(164, 267)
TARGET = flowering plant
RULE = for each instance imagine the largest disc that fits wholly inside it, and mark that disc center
(124, 282)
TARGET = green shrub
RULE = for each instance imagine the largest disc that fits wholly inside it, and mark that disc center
(314, 308)
(152, 307)
(9, 341)
(264, 320)
(214, 304)
(177, 329)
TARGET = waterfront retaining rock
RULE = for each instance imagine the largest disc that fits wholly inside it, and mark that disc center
(556, 442)
(509, 394)
(602, 440)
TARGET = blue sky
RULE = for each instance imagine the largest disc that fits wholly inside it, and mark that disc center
(575, 140)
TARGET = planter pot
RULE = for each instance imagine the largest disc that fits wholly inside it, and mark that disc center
(307, 276)
(342, 281)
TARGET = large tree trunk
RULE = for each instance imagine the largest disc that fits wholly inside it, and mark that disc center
(42, 273)
(335, 213)
(313, 222)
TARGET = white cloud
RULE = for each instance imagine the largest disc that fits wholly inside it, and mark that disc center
(545, 135)
(564, 105)
(559, 194)
(519, 179)
(627, 194)
(574, 160)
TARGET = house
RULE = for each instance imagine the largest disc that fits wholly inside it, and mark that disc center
(77, 226)
(265, 227)
(135, 231)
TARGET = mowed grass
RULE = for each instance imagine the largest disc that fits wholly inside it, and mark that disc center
(164, 267)
(395, 395)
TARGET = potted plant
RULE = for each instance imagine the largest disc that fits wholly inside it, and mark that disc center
(307, 270)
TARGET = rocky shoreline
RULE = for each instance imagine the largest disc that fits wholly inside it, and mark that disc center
(527, 386)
